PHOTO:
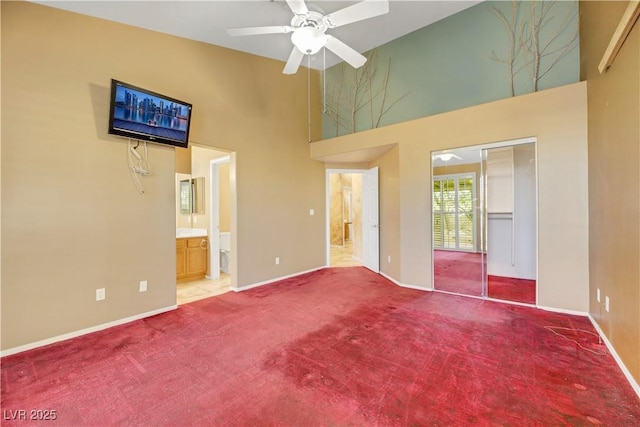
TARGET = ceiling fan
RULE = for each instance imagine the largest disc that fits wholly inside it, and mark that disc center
(309, 31)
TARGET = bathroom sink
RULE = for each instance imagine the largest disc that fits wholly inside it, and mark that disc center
(190, 232)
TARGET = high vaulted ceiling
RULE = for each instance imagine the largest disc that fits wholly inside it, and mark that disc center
(207, 21)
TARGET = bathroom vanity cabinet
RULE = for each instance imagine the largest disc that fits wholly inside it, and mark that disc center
(192, 255)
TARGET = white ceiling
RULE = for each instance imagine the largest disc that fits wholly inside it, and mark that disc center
(207, 21)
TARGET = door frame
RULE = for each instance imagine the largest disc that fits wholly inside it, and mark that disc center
(371, 219)
(327, 204)
(214, 218)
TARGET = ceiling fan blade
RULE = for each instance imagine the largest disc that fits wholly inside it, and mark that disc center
(295, 59)
(345, 52)
(252, 31)
(359, 11)
(298, 7)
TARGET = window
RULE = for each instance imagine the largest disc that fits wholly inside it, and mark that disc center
(453, 212)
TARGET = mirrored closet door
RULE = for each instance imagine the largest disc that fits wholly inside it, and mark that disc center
(484, 221)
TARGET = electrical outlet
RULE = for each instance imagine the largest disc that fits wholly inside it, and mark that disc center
(143, 286)
(100, 294)
(389, 259)
(606, 303)
(312, 212)
(598, 294)
(277, 260)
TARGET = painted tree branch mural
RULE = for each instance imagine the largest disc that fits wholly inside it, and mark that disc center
(358, 98)
(538, 39)
(513, 52)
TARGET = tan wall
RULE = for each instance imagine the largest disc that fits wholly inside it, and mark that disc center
(335, 209)
(356, 182)
(224, 198)
(557, 117)
(201, 167)
(72, 221)
(183, 160)
(389, 190)
(614, 178)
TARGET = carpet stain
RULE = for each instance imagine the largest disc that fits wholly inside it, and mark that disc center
(335, 347)
(452, 371)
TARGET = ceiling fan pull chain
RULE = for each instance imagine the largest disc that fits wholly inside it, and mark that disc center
(309, 95)
(324, 80)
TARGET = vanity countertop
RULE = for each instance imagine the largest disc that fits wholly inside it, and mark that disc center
(182, 233)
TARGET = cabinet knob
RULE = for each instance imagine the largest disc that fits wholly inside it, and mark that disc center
(204, 244)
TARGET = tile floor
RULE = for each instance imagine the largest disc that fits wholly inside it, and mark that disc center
(341, 256)
(199, 289)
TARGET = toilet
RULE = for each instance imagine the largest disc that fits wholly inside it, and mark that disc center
(225, 252)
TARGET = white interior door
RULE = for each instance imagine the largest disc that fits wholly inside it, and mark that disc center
(370, 220)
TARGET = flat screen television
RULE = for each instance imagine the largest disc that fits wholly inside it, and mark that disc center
(141, 114)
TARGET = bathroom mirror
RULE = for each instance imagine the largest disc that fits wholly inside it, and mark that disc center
(185, 196)
(197, 194)
(192, 196)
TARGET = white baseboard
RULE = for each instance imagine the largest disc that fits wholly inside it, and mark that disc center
(266, 282)
(81, 332)
(502, 301)
(404, 285)
(562, 310)
(622, 366)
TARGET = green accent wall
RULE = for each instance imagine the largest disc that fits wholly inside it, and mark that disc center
(447, 66)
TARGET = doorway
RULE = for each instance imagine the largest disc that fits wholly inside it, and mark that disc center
(220, 234)
(484, 221)
(210, 169)
(352, 218)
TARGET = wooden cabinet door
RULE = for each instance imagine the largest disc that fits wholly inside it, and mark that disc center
(181, 259)
(197, 251)
(192, 258)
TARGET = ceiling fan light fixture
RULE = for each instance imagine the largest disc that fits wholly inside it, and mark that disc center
(308, 31)
(445, 157)
(309, 40)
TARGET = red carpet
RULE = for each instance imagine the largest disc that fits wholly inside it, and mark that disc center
(461, 273)
(510, 289)
(340, 347)
(458, 272)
